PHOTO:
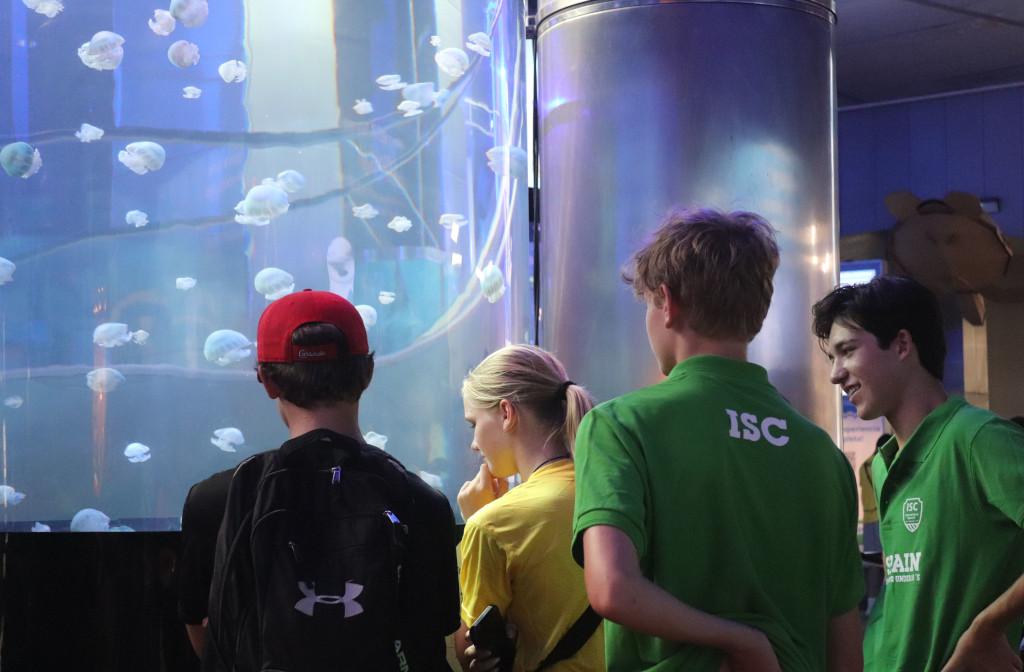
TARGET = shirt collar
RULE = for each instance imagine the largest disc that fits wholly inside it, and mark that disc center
(924, 438)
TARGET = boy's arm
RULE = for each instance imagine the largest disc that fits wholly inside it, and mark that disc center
(846, 642)
(619, 592)
(983, 647)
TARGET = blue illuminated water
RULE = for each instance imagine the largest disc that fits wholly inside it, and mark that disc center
(80, 264)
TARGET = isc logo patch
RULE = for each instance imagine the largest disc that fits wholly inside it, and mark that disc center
(771, 429)
(913, 509)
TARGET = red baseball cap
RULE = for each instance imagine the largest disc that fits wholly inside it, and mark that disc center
(282, 317)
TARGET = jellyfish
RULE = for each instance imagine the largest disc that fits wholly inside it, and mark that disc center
(191, 13)
(363, 106)
(20, 160)
(341, 267)
(137, 452)
(435, 41)
(507, 160)
(232, 71)
(140, 336)
(185, 284)
(453, 222)
(420, 92)
(364, 211)
(368, 313)
(375, 439)
(191, 92)
(433, 480)
(453, 62)
(40, 527)
(111, 334)
(225, 346)
(137, 218)
(103, 380)
(390, 82)
(162, 22)
(400, 224)
(261, 204)
(88, 133)
(491, 282)
(410, 107)
(142, 157)
(9, 495)
(386, 297)
(183, 54)
(227, 439)
(49, 8)
(13, 401)
(103, 51)
(6, 270)
(480, 43)
(290, 180)
(274, 283)
(90, 520)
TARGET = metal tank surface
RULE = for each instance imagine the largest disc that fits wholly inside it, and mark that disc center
(648, 104)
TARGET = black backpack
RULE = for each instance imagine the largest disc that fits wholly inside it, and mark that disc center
(321, 571)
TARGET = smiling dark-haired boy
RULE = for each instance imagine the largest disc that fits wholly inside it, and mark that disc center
(949, 484)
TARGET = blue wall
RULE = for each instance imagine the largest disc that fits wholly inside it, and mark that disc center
(969, 142)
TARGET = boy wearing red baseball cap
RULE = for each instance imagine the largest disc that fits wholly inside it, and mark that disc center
(331, 555)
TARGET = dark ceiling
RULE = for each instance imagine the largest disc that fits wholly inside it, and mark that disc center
(897, 49)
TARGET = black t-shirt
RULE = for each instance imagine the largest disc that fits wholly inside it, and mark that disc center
(200, 522)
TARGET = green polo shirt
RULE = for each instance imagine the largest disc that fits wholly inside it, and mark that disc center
(951, 504)
(736, 504)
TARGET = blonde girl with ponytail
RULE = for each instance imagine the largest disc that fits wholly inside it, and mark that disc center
(524, 411)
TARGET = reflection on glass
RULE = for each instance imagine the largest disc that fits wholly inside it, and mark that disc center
(375, 150)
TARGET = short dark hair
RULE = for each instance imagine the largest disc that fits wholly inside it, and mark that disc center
(718, 265)
(321, 383)
(883, 307)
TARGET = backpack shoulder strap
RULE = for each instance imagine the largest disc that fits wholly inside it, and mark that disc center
(573, 639)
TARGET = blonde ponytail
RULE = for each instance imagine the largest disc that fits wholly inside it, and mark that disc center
(530, 378)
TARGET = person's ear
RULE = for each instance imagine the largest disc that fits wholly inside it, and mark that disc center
(509, 415)
(273, 391)
(369, 375)
(667, 303)
(903, 344)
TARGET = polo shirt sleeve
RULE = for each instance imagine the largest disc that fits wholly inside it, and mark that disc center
(997, 461)
(610, 481)
(483, 577)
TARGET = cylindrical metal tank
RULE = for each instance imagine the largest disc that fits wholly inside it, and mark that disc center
(645, 104)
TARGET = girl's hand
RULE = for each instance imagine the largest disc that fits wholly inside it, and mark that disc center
(482, 490)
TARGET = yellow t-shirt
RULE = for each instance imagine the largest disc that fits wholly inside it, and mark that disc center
(516, 555)
(867, 491)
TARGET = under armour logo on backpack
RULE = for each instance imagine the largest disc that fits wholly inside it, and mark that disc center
(352, 591)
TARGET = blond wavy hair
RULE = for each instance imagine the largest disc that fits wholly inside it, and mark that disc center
(718, 265)
(532, 379)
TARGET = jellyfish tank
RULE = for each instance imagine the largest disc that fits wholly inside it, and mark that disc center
(169, 172)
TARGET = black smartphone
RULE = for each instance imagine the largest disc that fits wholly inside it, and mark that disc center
(488, 632)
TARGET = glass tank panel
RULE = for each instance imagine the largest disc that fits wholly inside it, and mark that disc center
(167, 177)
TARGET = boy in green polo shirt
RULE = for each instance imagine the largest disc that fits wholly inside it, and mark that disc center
(949, 484)
(715, 524)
